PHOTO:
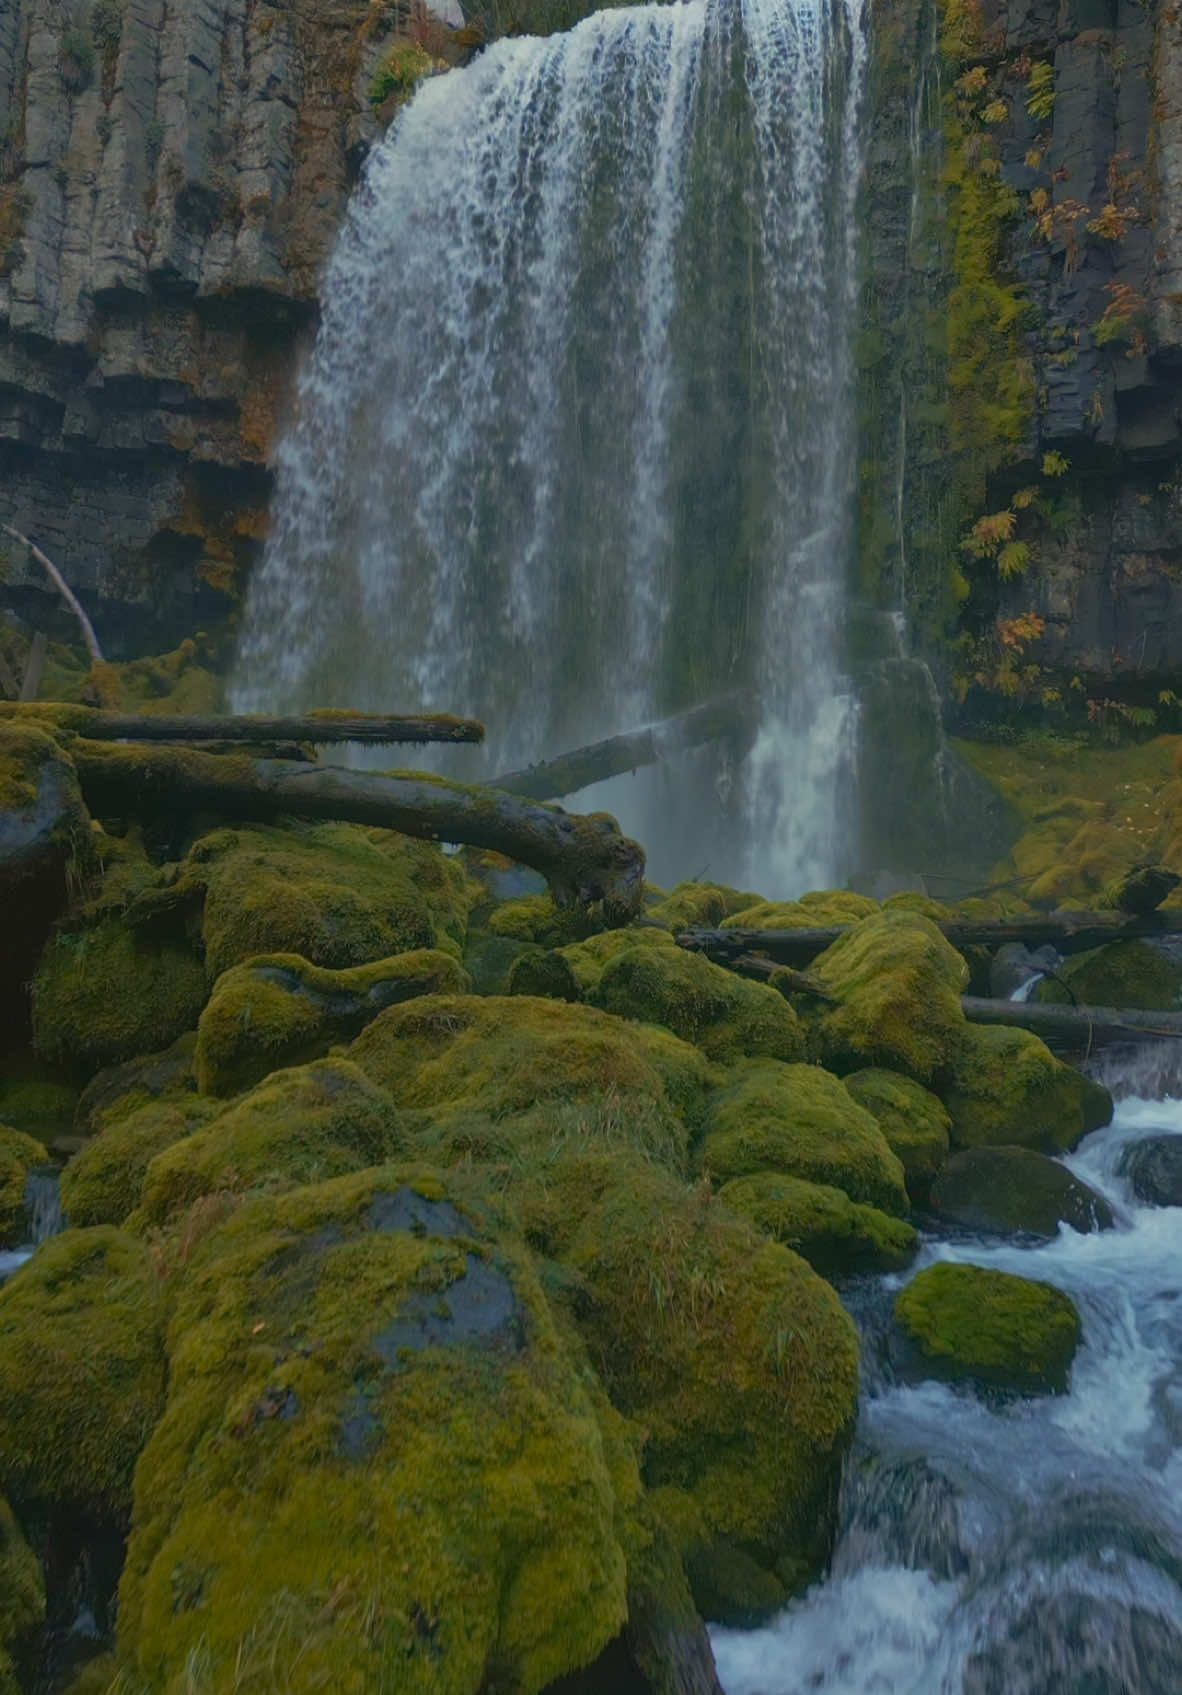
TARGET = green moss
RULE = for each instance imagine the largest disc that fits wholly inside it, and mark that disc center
(1008, 1089)
(723, 1014)
(19, 1154)
(898, 984)
(105, 993)
(700, 905)
(279, 1010)
(81, 1369)
(588, 959)
(737, 1360)
(991, 1327)
(816, 909)
(22, 1592)
(381, 1466)
(300, 1126)
(104, 1181)
(821, 1223)
(400, 71)
(799, 1121)
(35, 1098)
(535, 918)
(336, 894)
(542, 971)
(120, 1090)
(1120, 974)
(913, 1121)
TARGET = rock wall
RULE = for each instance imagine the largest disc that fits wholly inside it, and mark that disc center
(172, 173)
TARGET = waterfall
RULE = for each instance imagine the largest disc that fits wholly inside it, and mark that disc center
(573, 449)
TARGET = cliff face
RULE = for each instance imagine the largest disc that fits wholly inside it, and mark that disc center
(172, 173)
(1022, 368)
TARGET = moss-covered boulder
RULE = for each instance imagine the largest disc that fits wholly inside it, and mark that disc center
(336, 894)
(19, 1154)
(914, 1122)
(280, 1010)
(799, 1121)
(821, 1223)
(818, 908)
(898, 984)
(536, 919)
(382, 1465)
(148, 1080)
(1009, 1090)
(589, 958)
(22, 1593)
(543, 971)
(300, 1126)
(1132, 974)
(82, 1369)
(104, 1181)
(725, 1015)
(36, 1098)
(700, 905)
(737, 1360)
(106, 992)
(987, 1326)
(1011, 1190)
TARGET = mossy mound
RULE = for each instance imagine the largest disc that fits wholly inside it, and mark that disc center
(81, 1369)
(535, 918)
(1009, 1090)
(381, 1465)
(700, 905)
(22, 1592)
(732, 1354)
(1014, 1189)
(590, 958)
(496, 1057)
(990, 1327)
(1132, 974)
(544, 971)
(305, 1125)
(913, 1121)
(898, 983)
(104, 993)
(821, 1223)
(814, 910)
(120, 1090)
(336, 894)
(42, 815)
(799, 1121)
(35, 1098)
(104, 1181)
(725, 1015)
(280, 1010)
(19, 1154)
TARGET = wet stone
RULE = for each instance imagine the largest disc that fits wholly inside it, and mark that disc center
(480, 1306)
(1153, 1169)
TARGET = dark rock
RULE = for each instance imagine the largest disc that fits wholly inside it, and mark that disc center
(1153, 1168)
(1007, 1190)
(1015, 964)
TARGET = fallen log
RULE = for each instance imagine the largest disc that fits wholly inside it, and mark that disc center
(325, 726)
(1069, 932)
(584, 859)
(1075, 1029)
(730, 714)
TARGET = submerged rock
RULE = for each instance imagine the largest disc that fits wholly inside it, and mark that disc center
(1014, 1189)
(1008, 1089)
(914, 1122)
(1153, 1167)
(990, 1327)
(821, 1223)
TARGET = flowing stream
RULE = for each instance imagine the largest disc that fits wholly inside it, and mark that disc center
(43, 1216)
(1028, 1547)
(573, 450)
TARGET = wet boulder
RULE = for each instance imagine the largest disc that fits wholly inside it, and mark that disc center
(1153, 1169)
(821, 1223)
(913, 1120)
(967, 1322)
(1126, 974)
(1015, 1190)
(1009, 1090)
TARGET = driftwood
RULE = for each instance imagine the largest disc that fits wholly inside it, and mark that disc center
(730, 714)
(331, 726)
(64, 589)
(1069, 932)
(1075, 1029)
(584, 860)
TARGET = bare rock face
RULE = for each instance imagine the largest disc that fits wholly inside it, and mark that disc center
(171, 179)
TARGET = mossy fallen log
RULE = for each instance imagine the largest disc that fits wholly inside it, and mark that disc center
(1076, 1029)
(378, 730)
(729, 715)
(585, 859)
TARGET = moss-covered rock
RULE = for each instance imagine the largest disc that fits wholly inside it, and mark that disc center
(819, 907)
(968, 1322)
(1132, 974)
(81, 1369)
(914, 1122)
(535, 918)
(313, 1122)
(821, 1223)
(36, 1098)
(22, 1592)
(1008, 1089)
(799, 1121)
(700, 905)
(727, 1016)
(1016, 1189)
(738, 1361)
(104, 1181)
(19, 1154)
(898, 985)
(280, 1010)
(119, 1090)
(591, 957)
(544, 971)
(382, 1466)
(336, 894)
(106, 992)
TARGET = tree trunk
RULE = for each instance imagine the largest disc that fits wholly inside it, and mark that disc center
(1075, 1029)
(312, 727)
(584, 860)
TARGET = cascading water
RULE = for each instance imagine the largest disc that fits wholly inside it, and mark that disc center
(1029, 1548)
(573, 448)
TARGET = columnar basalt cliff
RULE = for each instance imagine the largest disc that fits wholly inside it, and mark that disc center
(171, 178)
